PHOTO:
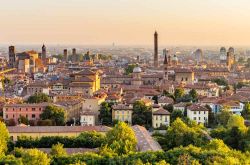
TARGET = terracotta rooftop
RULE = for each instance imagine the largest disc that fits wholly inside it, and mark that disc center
(56, 129)
(197, 107)
(144, 141)
(161, 111)
(122, 107)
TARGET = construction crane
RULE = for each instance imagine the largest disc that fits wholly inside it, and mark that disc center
(2, 78)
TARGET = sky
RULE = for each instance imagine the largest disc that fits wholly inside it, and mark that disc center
(125, 22)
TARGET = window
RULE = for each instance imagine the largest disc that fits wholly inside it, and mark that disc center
(33, 116)
(6, 109)
(40, 109)
(194, 118)
(199, 118)
(186, 78)
(194, 112)
(13, 116)
(204, 112)
(6, 116)
(26, 109)
(33, 109)
(199, 112)
(20, 109)
(26, 116)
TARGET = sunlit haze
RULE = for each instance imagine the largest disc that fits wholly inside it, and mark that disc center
(125, 22)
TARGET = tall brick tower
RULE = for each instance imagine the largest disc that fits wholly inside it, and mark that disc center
(166, 62)
(65, 54)
(156, 49)
(12, 56)
(44, 53)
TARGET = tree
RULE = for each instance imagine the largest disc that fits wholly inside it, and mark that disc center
(211, 117)
(176, 114)
(4, 138)
(241, 60)
(129, 69)
(246, 111)
(178, 93)
(234, 138)
(186, 159)
(218, 145)
(223, 116)
(23, 120)
(155, 98)
(169, 107)
(181, 134)
(58, 150)
(34, 157)
(142, 115)
(54, 113)
(221, 82)
(11, 122)
(236, 121)
(38, 98)
(105, 115)
(193, 93)
(121, 139)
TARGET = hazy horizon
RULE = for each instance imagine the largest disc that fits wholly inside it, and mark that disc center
(125, 22)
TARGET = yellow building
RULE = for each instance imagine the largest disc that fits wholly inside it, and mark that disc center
(184, 75)
(86, 82)
(40, 131)
(122, 113)
(161, 117)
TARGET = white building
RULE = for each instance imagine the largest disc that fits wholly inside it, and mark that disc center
(180, 106)
(198, 113)
(87, 118)
(160, 118)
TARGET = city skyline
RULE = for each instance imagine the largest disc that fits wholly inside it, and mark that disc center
(125, 22)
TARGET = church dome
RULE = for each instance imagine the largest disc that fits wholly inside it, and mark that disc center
(231, 50)
(175, 58)
(137, 70)
(223, 49)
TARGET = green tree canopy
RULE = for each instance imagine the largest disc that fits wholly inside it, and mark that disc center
(178, 93)
(223, 116)
(4, 138)
(54, 113)
(34, 157)
(129, 69)
(176, 114)
(221, 82)
(38, 98)
(181, 134)
(218, 145)
(142, 114)
(193, 93)
(23, 120)
(105, 115)
(241, 60)
(236, 121)
(121, 139)
(246, 111)
(58, 150)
